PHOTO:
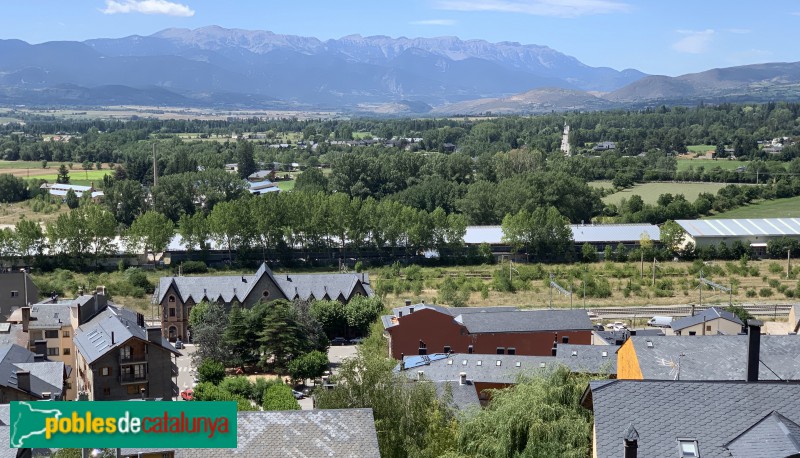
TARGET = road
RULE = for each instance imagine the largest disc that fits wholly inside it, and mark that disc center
(186, 370)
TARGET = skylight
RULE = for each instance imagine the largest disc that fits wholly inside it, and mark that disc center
(518, 364)
(649, 344)
(605, 354)
(688, 448)
(479, 363)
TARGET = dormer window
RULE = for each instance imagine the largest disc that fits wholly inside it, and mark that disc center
(688, 448)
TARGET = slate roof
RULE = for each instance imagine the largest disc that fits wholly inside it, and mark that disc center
(45, 376)
(525, 321)
(49, 316)
(93, 338)
(15, 335)
(775, 435)
(341, 433)
(462, 397)
(709, 314)
(611, 337)
(776, 227)
(715, 357)
(713, 413)
(238, 287)
(454, 311)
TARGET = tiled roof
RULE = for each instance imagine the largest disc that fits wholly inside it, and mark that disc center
(49, 315)
(341, 433)
(45, 376)
(93, 338)
(709, 314)
(525, 321)
(462, 397)
(713, 413)
(715, 357)
(775, 435)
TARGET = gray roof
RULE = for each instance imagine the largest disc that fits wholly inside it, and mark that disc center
(794, 326)
(238, 287)
(462, 397)
(713, 413)
(590, 359)
(611, 337)
(581, 233)
(709, 314)
(525, 321)
(49, 316)
(774, 227)
(774, 435)
(93, 338)
(454, 311)
(715, 357)
(341, 433)
(45, 376)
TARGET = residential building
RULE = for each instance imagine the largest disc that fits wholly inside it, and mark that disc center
(655, 418)
(336, 433)
(177, 295)
(262, 187)
(422, 329)
(25, 376)
(261, 175)
(16, 290)
(619, 337)
(755, 233)
(472, 376)
(711, 321)
(118, 358)
(605, 146)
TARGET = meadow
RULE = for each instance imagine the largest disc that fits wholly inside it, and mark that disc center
(778, 208)
(649, 192)
(708, 164)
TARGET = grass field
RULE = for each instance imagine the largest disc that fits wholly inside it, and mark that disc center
(779, 208)
(724, 164)
(650, 191)
(79, 175)
(701, 148)
(287, 185)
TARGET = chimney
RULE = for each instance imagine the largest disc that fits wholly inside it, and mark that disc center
(631, 442)
(46, 395)
(112, 337)
(420, 375)
(26, 318)
(753, 349)
(408, 302)
(411, 310)
(24, 380)
(154, 334)
(462, 378)
(554, 350)
(40, 347)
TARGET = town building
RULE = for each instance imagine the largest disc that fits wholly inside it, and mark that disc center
(711, 321)
(422, 329)
(262, 187)
(336, 433)
(177, 295)
(16, 290)
(755, 233)
(26, 376)
(119, 358)
(60, 190)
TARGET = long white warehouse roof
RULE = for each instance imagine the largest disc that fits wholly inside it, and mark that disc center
(773, 227)
(599, 233)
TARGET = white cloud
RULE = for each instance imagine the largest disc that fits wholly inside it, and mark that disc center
(147, 7)
(739, 31)
(434, 22)
(694, 41)
(558, 8)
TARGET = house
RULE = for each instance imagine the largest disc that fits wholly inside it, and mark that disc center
(655, 418)
(605, 146)
(711, 321)
(720, 358)
(619, 337)
(26, 376)
(60, 190)
(119, 358)
(232, 168)
(421, 329)
(471, 376)
(16, 290)
(177, 295)
(262, 187)
(337, 433)
(261, 175)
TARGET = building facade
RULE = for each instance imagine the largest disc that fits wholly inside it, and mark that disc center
(16, 290)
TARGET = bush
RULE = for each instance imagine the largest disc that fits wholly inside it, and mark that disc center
(359, 266)
(238, 386)
(774, 283)
(138, 279)
(194, 267)
(279, 397)
(775, 268)
(311, 365)
(765, 292)
(211, 371)
(750, 293)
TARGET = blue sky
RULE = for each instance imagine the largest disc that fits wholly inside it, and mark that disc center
(669, 37)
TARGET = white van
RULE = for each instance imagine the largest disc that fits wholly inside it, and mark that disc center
(660, 322)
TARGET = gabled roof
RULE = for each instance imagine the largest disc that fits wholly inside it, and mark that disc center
(525, 321)
(336, 433)
(93, 338)
(713, 413)
(715, 357)
(45, 376)
(774, 435)
(49, 316)
(462, 397)
(709, 314)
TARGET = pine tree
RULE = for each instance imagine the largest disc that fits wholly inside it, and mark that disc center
(63, 175)
(244, 158)
(280, 336)
(71, 199)
(235, 336)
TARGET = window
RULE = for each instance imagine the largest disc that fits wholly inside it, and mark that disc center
(172, 298)
(517, 364)
(423, 351)
(708, 327)
(449, 362)
(464, 363)
(688, 448)
(498, 363)
(172, 311)
(479, 363)
(511, 351)
(265, 293)
(470, 349)
(125, 352)
(565, 339)
(106, 371)
(14, 293)
(139, 371)
(135, 389)
(501, 350)
(51, 334)
(107, 391)
(447, 348)
(692, 333)
(52, 351)
(66, 351)
(65, 334)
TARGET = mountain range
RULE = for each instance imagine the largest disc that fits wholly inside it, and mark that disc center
(213, 66)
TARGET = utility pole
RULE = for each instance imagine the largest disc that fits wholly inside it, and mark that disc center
(654, 271)
(788, 263)
(551, 290)
(155, 166)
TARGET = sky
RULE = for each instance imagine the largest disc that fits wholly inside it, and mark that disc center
(666, 37)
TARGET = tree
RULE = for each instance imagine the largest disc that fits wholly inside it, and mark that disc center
(151, 232)
(279, 397)
(544, 232)
(589, 252)
(244, 159)
(63, 175)
(740, 313)
(280, 337)
(235, 336)
(308, 366)
(331, 315)
(28, 238)
(208, 321)
(362, 311)
(100, 228)
(230, 225)
(71, 199)
(125, 200)
(12, 189)
(671, 235)
(211, 371)
(194, 231)
(312, 180)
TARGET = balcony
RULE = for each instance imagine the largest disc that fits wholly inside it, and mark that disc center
(133, 359)
(127, 379)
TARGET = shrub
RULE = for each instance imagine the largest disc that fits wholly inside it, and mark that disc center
(765, 292)
(194, 267)
(775, 268)
(238, 386)
(774, 283)
(750, 293)
(359, 266)
(138, 279)
(211, 371)
(311, 365)
(279, 397)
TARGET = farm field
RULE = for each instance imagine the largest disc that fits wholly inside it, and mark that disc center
(649, 192)
(131, 111)
(700, 148)
(707, 164)
(286, 185)
(778, 208)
